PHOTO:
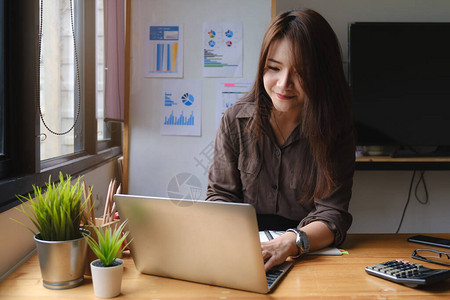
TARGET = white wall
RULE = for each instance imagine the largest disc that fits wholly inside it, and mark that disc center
(17, 242)
(155, 159)
(379, 196)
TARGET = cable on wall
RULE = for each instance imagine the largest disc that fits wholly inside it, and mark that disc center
(422, 180)
(423, 202)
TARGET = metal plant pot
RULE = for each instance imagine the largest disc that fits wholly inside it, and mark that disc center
(62, 262)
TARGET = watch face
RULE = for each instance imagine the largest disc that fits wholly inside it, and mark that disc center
(304, 241)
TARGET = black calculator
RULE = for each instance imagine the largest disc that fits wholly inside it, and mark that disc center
(407, 273)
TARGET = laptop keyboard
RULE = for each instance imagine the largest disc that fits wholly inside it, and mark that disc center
(272, 276)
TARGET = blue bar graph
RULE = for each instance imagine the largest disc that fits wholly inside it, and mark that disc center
(180, 121)
(166, 57)
(212, 60)
(164, 49)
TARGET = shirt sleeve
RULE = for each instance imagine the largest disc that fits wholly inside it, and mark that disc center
(333, 210)
(224, 182)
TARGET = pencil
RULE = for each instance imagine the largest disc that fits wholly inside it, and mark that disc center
(92, 207)
(105, 210)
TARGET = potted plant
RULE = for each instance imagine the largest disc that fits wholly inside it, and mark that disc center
(57, 215)
(107, 270)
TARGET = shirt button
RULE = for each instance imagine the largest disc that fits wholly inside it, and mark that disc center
(278, 153)
(274, 186)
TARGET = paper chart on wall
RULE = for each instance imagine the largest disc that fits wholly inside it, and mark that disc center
(228, 91)
(181, 107)
(222, 49)
(164, 50)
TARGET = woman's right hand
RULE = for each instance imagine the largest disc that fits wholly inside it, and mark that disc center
(276, 251)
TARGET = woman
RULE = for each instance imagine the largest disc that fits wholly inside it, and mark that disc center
(288, 147)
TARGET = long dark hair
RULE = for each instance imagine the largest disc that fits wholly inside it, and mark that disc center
(326, 113)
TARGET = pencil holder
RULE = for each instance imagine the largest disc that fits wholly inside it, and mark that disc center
(90, 256)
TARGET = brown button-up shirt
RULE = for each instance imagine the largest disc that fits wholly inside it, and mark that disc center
(266, 175)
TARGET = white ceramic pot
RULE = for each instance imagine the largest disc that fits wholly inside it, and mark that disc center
(107, 281)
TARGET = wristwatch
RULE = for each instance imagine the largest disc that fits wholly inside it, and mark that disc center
(301, 241)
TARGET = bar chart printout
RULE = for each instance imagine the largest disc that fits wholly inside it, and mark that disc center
(181, 107)
(228, 91)
(164, 51)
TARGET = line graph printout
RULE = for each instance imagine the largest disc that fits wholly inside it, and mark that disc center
(164, 50)
(181, 107)
(222, 49)
(228, 91)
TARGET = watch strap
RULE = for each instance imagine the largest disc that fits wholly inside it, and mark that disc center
(301, 241)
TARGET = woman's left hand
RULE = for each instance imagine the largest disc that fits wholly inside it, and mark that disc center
(276, 251)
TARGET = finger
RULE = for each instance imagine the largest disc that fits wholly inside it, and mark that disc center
(270, 263)
(265, 250)
(266, 254)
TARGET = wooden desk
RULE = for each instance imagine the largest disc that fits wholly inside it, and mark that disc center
(313, 277)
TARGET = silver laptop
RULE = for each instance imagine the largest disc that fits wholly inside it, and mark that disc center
(213, 243)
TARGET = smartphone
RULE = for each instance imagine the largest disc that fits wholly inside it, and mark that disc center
(430, 240)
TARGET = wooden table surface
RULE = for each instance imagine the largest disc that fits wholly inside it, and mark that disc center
(312, 277)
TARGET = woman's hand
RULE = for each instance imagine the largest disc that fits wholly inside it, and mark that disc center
(276, 251)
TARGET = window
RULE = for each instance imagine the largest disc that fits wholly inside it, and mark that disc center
(2, 105)
(59, 81)
(4, 159)
(103, 129)
(70, 86)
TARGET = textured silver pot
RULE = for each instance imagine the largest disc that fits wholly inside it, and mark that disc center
(62, 262)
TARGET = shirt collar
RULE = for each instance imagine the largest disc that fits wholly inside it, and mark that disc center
(247, 111)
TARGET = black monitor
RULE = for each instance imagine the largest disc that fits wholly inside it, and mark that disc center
(399, 75)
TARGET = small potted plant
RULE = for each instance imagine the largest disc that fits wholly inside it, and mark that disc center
(107, 270)
(57, 215)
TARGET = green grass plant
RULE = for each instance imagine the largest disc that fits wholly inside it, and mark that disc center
(110, 243)
(58, 212)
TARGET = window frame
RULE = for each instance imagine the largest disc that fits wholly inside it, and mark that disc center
(21, 167)
(2, 80)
